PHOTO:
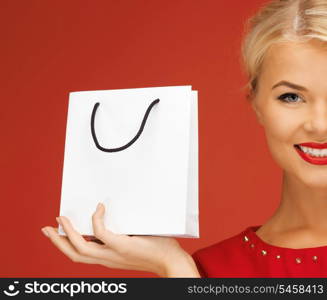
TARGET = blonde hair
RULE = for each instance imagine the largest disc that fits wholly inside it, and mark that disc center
(280, 21)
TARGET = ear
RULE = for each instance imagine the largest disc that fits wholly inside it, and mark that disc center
(257, 111)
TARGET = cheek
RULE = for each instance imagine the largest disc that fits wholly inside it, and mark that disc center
(280, 129)
(281, 125)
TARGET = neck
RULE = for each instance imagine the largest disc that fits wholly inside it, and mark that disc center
(301, 206)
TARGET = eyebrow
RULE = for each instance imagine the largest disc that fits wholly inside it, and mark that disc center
(290, 84)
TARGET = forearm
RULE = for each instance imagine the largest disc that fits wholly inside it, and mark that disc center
(181, 266)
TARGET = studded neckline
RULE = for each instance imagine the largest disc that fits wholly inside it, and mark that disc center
(253, 238)
(298, 256)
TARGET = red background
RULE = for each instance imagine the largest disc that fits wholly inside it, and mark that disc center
(52, 47)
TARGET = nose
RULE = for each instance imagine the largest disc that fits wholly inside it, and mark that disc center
(317, 122)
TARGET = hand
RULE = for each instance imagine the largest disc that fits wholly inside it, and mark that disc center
(119, 251)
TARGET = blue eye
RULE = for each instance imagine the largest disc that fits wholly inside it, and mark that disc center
(288, 98)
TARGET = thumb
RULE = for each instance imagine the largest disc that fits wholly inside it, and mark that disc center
(100, 209)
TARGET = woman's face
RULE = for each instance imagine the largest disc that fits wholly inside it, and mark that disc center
(291, 105)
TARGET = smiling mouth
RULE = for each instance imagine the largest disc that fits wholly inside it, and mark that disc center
(320, 151)
(313, 155)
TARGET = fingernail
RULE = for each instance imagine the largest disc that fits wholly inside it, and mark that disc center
(58, 220)
(99, 205)
(45, 232)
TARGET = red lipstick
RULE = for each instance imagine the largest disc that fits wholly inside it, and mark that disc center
(314, 145)
(308, 157)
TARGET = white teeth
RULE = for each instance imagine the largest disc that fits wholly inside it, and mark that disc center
(314, 152)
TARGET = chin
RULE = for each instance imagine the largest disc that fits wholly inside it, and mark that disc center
(315, 181)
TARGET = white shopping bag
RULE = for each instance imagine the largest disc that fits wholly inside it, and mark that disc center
(136, 151)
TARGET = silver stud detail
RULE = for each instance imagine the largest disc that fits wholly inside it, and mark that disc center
(264, 252)
(314, 258)
(246, 239)
(278, 256)
(298, 260)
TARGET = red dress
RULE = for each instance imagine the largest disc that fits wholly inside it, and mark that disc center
(247, 255)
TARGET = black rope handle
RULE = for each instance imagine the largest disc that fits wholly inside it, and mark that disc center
(96, 105)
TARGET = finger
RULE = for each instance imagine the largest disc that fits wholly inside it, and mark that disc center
(116, 242)
(89, 248)
(65, 246)
(80, 244)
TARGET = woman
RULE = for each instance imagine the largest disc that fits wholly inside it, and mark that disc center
(285, 56)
